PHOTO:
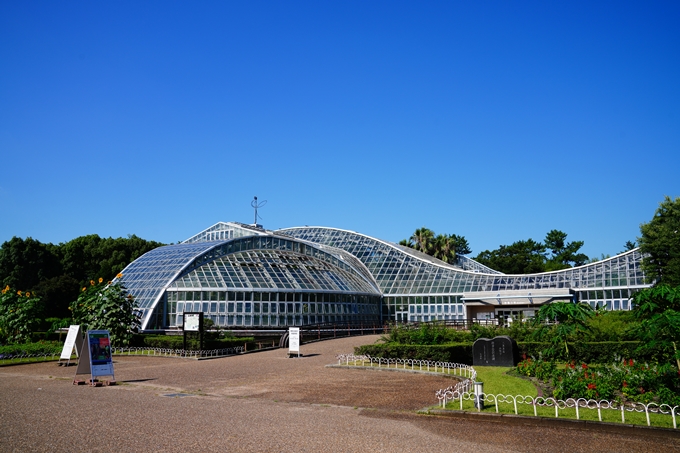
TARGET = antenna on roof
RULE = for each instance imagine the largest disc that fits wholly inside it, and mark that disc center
(256, 205)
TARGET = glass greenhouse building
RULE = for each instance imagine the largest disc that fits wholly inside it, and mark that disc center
(244, 276)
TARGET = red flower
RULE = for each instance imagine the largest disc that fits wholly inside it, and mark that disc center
(591, 386)
(630, 362)
(584, 366)
(625, 384)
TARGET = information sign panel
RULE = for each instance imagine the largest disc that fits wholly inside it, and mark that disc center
(294, 340)
(192, 322)
(99, 346)
(71, 337)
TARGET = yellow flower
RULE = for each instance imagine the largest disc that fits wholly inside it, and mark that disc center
(109, 282)
(101, 279)
(28, 294)
(119, 275)
(92, 282)
(19, 293)
(84, 288)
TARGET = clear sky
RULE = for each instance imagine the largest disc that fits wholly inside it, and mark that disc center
(498, 121)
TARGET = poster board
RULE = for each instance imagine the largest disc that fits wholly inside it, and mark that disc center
(294, 341)
(192, 321)
(95, 356)
(73, 340)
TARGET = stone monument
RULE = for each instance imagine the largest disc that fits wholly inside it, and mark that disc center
(499, 351)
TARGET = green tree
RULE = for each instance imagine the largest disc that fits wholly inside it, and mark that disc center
(26, 262)
(521, 257)
(629, 245)
(660, 243)
(422, 240)
(441, 246)
(563, 254)
(568, 318)
(109, 307)
(658, 309)
(19, 313)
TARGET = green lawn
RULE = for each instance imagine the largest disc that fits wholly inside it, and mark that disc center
(497, 382)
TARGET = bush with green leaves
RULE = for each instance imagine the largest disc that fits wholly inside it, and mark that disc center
(627, 380)
(107, 306)
(38, 348)
(658, 310)
(565, 319)
(19, 313)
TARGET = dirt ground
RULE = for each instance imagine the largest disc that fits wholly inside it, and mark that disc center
(264, 402)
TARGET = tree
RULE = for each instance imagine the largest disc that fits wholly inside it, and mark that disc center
(563, 254)
(521, 257)
(441, 246)
(660, 243)
(422, 240)
(568, 317)
(26, 262)
(109, 307)
(629, 245)
(658, 309)
(19, 312)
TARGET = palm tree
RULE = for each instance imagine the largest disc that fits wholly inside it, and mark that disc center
(569, 317)
(444, 248)
(423, 240)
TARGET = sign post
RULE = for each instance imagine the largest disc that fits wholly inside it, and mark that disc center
(73, 339)
(95, 358)
(193, 322)
(293, 341)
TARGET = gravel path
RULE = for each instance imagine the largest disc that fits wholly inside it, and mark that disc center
(261, 402)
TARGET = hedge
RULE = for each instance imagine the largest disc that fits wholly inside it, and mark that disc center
(42, 348)
(457, 353)
(590, 352)
(177, 342)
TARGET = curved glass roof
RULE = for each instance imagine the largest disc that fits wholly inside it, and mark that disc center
(402, 271)
(255, 261)
(275, 270)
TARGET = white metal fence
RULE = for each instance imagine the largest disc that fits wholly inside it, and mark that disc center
(578, 404)
(179, 353)
(467, 372)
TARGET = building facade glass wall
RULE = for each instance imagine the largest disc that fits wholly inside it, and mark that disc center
(243, 276)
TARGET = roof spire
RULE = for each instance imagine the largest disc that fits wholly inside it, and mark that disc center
(256, 205)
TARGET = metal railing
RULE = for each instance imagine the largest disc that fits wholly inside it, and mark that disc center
(7, 358)
(178, 353)
(456, 369)
(577, 404)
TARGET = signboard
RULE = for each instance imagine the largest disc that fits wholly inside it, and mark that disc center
(192, 321)
(72, 337)
(294, 340)
(499, 351)
(100, 353)
(95, 356)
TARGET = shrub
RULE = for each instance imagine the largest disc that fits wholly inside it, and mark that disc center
(39, 348)
(627, 380)
(457, 353)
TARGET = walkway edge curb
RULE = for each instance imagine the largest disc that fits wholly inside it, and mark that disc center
(512, 419)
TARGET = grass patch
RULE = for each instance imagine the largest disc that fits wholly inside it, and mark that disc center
(497, 381)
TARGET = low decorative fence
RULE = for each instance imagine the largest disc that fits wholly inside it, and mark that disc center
(179, 353)
(457, 369)
(578, 404)
(21, 357)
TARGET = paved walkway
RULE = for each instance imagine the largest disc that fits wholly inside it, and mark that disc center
(261, 402)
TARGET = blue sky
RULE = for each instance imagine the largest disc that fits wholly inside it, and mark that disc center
(498, 121)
